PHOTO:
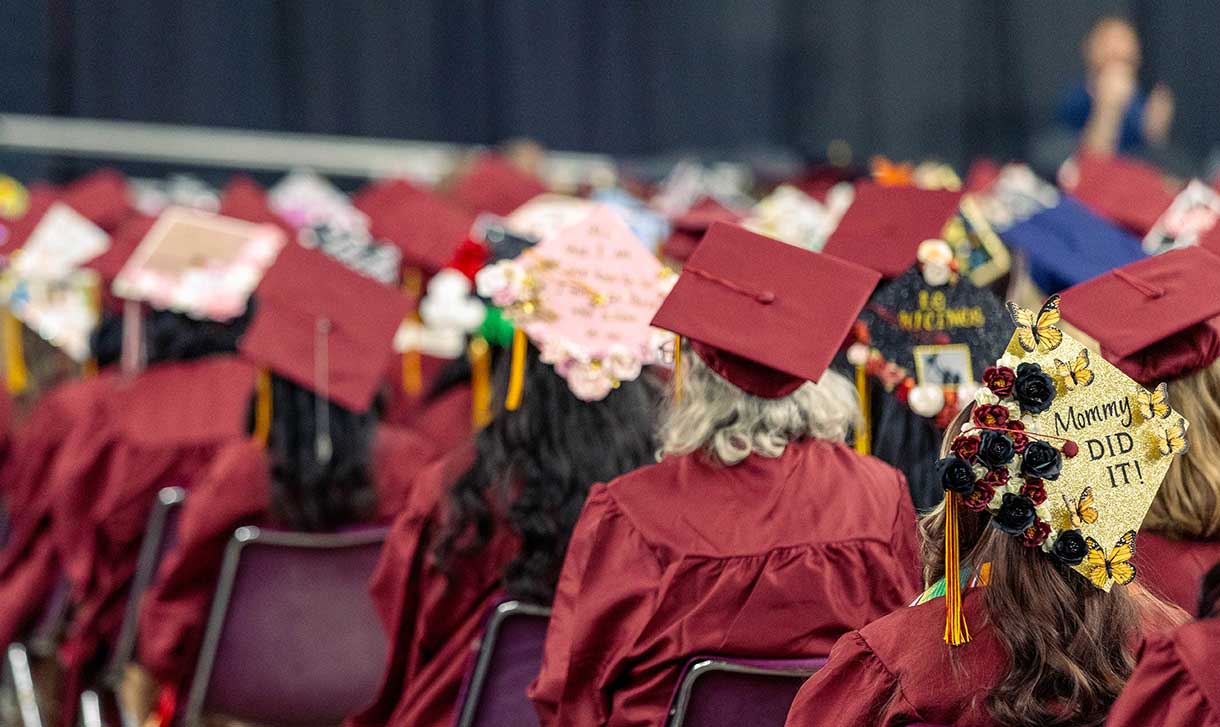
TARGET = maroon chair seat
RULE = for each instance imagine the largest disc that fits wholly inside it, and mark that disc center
(714, 690)
(509, 657)
(292, 637)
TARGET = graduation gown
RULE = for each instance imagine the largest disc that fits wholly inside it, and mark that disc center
(772, 557)
(434, 620)
(1173, 569)
(236, 491)
(1175, 682)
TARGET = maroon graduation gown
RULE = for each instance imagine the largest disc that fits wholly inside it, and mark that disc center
(434, 620)
(1173, 569)
(773, 557)
(236, 491)
(1176, 682)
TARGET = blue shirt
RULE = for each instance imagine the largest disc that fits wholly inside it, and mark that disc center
(1078, 104)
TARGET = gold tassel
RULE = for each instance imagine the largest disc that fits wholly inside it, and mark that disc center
(516, 376)
(412, 374)
(956, 631)
(863, 445)
(677, 369)
(89, 367)
(262, 408)
(478, 353)
(16, 376)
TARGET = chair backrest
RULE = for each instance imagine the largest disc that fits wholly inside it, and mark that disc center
(292, 637)
(159, 537)
(509, 657)
(716, 690)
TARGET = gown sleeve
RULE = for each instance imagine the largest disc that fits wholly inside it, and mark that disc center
(1161, 692)
(605, 596)
(854, 688)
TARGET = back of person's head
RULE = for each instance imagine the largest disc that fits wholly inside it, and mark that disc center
(713, 415)
(1070, 646)
(321, 474)
(1188, 503)
(533, 469)
(177, 337)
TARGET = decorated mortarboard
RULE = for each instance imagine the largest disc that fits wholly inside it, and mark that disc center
(1154, 319)
(648, 225)
(689, 227)
(1064, 451)
(884, 225)
(494, 184)
(980, 253)
(153, 196)
(690, 181)
(1129, 193)
(100, 197)
(929, 334)
(791, 216)
(584, 296)
(355, 248)
(200, 264)
(1190, 218)
(764, 315)
(62, 241)
(546, 214)
(306, 199)
(924, 175)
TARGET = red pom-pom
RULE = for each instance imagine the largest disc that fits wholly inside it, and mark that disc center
(1070, 449)
(903, 390)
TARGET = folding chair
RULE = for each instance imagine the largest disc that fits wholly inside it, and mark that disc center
(716, 690)
(292, 637)
(509, 657)
(41, 642)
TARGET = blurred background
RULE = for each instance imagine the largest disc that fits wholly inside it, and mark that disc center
(950, 79)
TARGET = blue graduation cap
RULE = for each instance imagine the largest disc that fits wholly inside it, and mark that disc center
(1067, 244)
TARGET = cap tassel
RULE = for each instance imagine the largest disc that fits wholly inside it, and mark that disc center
(864, 431)
(516, 375)
(262, 408)
(134, 354)
(956, 631)
(16, 375)
(323, 446)
(412, 374)
(479, 355)
(677, 369)
(89, 366)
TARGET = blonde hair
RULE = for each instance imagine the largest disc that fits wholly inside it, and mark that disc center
(1188, 503)
(715, 416)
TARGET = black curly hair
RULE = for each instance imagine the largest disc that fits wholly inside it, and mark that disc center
(169, 336)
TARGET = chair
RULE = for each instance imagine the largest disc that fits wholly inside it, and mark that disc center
(509, 658)
(292, 637)
(41, 642)
(716, 690)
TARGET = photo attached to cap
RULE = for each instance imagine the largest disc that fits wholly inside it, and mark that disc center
(947, 365)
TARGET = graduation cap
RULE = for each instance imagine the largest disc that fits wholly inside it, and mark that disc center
(426, 227)
(1127, 192)
(1067, 244)
(546, 214)
(764, 315)
(688, 228)
(884, 225)
(584, 296)
(244, 199)
(1154, 319)
(100, 197)
(494, 184)
(1191, 218)
(1064, 451)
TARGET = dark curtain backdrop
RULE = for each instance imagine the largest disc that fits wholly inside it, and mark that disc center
(952, 78)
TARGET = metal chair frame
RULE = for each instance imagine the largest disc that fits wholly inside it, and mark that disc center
(702, 666)
(487, 647)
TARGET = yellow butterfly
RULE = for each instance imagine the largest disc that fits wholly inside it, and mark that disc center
(1154, 404)
(1040, 332)
(1083, 511)
(1172, 439)
(1117, 566)
(1077, 373)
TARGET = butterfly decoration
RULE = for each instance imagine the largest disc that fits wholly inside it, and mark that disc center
(1116, 566)
(1084, 511)
(1037, 332)
(1154, 404)
(1075, 374)
(1171, 441)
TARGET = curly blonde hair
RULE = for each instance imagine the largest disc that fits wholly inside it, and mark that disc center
(715, 416)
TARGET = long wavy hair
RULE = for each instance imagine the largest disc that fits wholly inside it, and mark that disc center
(729, 424)
(312, 492)
(533, 468)
(1188, 503)
(1070, 646)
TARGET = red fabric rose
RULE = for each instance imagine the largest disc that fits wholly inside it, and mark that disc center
(997, 478)
(1000, 380)
(966, 447)
(1035, 534)
(990, 415)
(980, 497)
(1017, 434)
(1035, 490)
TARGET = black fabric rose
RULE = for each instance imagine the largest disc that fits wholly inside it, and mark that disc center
(995, 449)
(1015, 515)
(1034, 388)
(1069, 548)
(1041, 461)
(956, 475)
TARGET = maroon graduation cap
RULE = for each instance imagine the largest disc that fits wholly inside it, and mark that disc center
(688, 228)
(1127, 192)
(884, 225)
(496, 185)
